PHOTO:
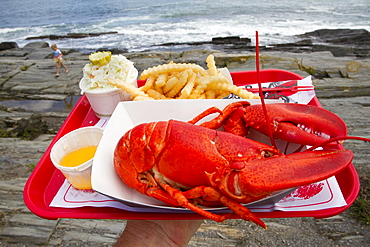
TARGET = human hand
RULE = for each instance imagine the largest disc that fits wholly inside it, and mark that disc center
(155, 233)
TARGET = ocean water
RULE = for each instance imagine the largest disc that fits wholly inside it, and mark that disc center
(143, 23)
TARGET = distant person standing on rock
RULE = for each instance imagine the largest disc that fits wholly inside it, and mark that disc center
(58, 58)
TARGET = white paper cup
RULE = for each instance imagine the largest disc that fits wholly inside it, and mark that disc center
(104, 101)
(78, 176)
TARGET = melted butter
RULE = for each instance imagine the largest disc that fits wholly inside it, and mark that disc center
(78, 157)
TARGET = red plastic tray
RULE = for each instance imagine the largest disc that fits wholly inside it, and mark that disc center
(46, 180)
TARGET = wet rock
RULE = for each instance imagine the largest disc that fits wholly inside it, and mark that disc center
(339, 36)
(35, 45)
(8, 45)
(28, 128)
(70, 36)
(341, 42)
(114, 51)
(231, 40)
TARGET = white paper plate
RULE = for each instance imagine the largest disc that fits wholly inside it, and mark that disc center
(129, 114)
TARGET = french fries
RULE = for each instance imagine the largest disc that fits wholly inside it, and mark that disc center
(184, 81)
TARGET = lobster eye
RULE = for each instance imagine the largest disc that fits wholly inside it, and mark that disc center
(267, 154)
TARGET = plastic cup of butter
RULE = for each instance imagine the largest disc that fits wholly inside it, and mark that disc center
(73, 155)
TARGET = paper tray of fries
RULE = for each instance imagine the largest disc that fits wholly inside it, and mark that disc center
(45, 181)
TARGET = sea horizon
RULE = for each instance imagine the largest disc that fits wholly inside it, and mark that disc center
(142, 24)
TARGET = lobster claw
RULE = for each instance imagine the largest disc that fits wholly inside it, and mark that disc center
(296, 123)
(299, 169)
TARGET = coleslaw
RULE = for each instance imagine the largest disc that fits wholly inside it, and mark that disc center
(96, 77)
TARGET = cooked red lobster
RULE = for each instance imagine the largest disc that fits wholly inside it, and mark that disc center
(183, 164)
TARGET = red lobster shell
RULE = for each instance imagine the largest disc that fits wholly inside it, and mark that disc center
(183, 164)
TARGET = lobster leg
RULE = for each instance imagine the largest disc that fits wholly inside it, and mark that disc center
(242, 211)
(184, 202)
(222, 117)
(212, 194)
(204, 114)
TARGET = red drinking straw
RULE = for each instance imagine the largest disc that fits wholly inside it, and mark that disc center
(261, 93)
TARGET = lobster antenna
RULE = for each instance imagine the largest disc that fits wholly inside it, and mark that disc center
(261, 93)
(341, 138)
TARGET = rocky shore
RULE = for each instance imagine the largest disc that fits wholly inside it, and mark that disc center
(27, 85)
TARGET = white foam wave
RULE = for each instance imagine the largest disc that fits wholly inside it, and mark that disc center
(154, 23)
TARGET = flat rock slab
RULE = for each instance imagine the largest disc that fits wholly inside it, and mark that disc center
(342, 86)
